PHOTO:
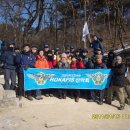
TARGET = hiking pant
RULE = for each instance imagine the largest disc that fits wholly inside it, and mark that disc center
(21, 86)
(9, 75)
(38, 93)
(97, 93)
(75, 93)
(119, 92)
(62, 92)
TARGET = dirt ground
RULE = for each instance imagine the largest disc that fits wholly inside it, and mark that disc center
(55, 114)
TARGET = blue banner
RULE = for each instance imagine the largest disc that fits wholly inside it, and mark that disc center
(67, 78)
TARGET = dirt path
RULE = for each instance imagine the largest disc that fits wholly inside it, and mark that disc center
(63, 115)
(56, 114)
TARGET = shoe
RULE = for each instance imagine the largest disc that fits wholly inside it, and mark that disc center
(39, 97)
(121, 108)
(19, 97)
(77, 99)
(108, 103)
(72, 97)
(100, 102)
(60, 97)
(51, 95)
(47, 95)
(64, 96)
(90, 100)
(30, 98)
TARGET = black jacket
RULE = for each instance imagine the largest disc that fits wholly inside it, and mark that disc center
(119, 75)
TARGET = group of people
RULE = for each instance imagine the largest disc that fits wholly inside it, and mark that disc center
(16, 61)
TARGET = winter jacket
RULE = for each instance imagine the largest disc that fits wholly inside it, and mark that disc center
(111, 60)
(96, 44)
(77, 64)
(62, 65)
(119, 75)
(8, 58)
(25, 60)
(41, 62)
(87, 63)
(100, 66)
(51, 61)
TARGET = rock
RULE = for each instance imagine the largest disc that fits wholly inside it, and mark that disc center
(8, 98)
(10, 102)
(1, 92)
(9, 94)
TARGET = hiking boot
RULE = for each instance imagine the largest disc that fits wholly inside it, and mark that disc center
(64, 96)
(60, 97)
(121, 108)
(90, 100)
(47, 95)
(72, 97)
(19, 97)
(39, 97)
(77, 99)
(108, 103)
(30, 98)
(100, 102)
(51, 95)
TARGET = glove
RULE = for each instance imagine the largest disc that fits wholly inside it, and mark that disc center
(26, 67)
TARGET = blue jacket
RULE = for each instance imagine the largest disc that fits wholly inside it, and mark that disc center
(24, 61)
(96, 44)
(8, 58)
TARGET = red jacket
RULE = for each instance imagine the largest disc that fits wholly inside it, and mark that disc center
(52, 64)
(41, 62)
(77, 65)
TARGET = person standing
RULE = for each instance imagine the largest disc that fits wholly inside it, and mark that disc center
(41, 62)
(63, 64)
(51, 59)
(34, 50)
(93, 93)
(8, 59)
(76, 64)
(25, 60)
(96, 43)
(118, 83)
(111, 59)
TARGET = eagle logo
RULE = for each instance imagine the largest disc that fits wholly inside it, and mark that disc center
(40, 78)
(98, 78)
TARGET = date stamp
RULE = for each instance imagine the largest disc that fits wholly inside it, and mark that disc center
(110, 116)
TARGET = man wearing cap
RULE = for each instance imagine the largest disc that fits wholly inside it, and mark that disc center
(34, 50)
(25, 61)
(72, 51)
(118, 83)
(46, 49)
(8, 59)
(96, 52)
